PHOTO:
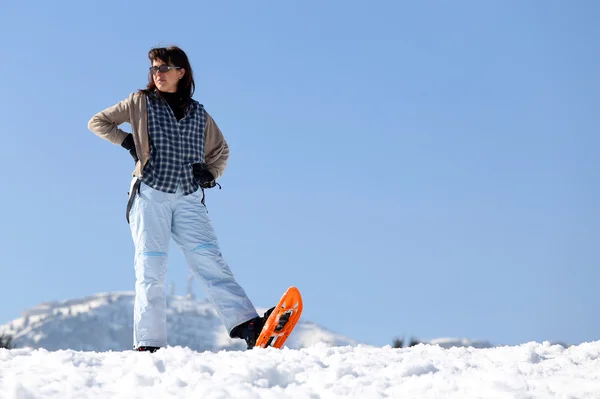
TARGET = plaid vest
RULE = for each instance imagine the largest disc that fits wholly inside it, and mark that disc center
(174, 146)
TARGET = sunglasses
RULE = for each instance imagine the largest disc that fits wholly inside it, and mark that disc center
(162, 69)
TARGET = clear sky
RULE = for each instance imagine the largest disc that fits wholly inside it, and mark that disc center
(415, 168)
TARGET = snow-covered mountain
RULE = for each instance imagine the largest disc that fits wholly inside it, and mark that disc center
(460, 343)
(104, 322)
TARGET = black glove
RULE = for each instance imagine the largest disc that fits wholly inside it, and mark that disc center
(129, 145)
(203, 175)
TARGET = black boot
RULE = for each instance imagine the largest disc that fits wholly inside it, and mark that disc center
(250, 330)
(150, 349)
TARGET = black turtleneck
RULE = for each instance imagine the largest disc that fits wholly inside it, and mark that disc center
(176, 102)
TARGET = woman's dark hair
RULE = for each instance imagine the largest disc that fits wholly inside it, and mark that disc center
(175, 56)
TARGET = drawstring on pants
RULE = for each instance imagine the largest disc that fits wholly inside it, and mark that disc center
(202, 188)
(134, 190)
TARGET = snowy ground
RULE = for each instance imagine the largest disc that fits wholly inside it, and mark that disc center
(531, 370)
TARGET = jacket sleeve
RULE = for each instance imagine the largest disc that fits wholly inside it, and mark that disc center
(216, 150)
(105, 124)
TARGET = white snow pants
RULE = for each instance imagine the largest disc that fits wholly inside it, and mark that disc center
(156, 216)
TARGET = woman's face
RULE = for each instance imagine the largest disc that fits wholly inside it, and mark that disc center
(166, 81)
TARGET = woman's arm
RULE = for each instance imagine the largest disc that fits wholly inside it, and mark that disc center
(216, 150)
(105, 124)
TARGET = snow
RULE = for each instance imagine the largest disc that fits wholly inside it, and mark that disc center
(81, 348)
(460, 342)
(532, 370)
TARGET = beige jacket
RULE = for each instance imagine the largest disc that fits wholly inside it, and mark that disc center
(105, 124)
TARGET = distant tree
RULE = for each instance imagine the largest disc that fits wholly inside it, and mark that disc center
(5, 341)
(190, 291)
(399, 343)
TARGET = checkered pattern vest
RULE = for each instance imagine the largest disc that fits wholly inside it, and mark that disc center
(174, 146)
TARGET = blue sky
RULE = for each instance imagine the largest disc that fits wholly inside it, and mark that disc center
(415, 168)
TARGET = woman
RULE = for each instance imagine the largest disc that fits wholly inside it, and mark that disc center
(179, 151)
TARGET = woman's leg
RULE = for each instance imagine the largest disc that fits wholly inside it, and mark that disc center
(150, 223)
(194, 234)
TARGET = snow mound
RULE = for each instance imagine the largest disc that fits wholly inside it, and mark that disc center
(531, 370)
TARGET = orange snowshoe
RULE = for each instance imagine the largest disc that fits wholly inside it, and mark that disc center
(282, 320)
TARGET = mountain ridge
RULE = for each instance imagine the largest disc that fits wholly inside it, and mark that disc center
(104, 322)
